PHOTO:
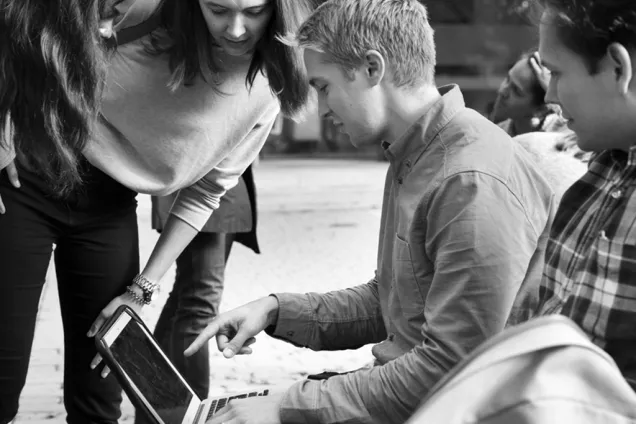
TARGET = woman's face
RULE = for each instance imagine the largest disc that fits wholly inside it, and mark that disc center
(516, 98)
(237, 25)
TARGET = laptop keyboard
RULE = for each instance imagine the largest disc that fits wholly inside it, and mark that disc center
(218, 404)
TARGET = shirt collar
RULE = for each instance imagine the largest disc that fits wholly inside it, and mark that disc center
(425, 129)
(624, 159)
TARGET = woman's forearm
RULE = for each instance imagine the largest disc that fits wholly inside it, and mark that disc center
(175, 237)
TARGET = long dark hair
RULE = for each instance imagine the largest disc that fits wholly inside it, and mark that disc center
(50, 83)
(191, 49)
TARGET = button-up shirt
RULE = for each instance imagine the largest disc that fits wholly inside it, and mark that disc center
(590, 273)
(462, 239)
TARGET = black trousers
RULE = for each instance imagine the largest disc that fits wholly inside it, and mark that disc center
(96, 256)
(193, 304)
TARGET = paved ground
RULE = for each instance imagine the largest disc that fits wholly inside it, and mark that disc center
(318, 229)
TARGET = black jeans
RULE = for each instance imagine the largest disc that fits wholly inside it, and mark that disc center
(96, 257)
(192, 304)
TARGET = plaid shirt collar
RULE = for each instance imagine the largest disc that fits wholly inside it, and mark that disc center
(590, 271)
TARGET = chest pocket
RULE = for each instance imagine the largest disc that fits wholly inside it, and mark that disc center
(404, 285)
(615, 259)
(616, 242)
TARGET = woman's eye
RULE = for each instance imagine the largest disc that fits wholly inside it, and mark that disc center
(255, 13)
(218, 11)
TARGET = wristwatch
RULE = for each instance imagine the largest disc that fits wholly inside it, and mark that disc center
(147, 287)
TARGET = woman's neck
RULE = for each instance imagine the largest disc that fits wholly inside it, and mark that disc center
(224, 60)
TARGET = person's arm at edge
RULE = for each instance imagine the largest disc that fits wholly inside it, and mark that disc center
(7, 151)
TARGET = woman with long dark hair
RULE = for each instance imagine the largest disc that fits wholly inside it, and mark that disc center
(186, 107)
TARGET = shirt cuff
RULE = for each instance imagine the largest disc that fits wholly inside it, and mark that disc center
(295, 319)
(295, 406)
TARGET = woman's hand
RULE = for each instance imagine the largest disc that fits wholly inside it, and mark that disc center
(107, 312)
(12, 172)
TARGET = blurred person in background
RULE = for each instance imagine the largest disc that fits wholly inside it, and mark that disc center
(520, 106)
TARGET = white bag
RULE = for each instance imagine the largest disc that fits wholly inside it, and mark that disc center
(543, 371)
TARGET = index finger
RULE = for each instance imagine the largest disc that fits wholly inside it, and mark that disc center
(209, 332)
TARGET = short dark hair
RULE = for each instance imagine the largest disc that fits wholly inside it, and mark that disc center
(588, 27)
(51, 79)
(191, 51)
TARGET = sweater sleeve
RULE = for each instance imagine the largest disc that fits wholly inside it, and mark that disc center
(7, 149)
(195, 204)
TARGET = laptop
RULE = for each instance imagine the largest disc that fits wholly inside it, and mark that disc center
(150, 380)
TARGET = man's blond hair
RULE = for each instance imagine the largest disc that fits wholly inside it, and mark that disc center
(399, 30)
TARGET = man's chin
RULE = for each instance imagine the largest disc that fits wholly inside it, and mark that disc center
(364, 140)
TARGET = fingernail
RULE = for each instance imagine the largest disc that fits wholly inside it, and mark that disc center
(228, 353)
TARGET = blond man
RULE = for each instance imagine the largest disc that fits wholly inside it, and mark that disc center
(464, 224)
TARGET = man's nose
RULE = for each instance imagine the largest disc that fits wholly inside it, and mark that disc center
(504, 89)
(323, 108)
(551, 93)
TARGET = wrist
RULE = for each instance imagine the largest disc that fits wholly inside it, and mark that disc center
(136, 295)
(272, 307)
(142, 284)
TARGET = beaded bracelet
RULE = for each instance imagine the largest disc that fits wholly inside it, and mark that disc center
(135, 297)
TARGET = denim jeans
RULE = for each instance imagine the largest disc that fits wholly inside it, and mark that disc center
(192, 304)
(96, 257)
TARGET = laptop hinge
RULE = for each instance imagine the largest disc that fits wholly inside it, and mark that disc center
(200, 410)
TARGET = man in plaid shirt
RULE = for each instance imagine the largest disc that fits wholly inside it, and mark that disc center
(589, 46)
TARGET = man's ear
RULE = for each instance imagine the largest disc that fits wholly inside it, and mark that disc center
(374, 67)
(621, 61)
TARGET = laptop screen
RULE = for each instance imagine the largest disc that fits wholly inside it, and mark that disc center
(140, 358)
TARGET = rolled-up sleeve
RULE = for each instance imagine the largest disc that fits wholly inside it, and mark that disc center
(480, 240)
(196, 203)
(343, 319)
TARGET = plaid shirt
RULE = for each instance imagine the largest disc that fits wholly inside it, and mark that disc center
(590, 271)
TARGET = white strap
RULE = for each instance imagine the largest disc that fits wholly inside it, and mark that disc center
(533, 336)
(538, 334)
